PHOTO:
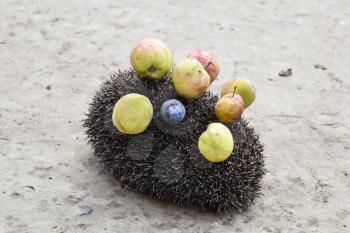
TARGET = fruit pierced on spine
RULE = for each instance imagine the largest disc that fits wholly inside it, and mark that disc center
(216, 143)
(209, 62)
(190, 79)
(151, 58)
(172, 111)
(243, 87)
(229, 108)
(132, 114)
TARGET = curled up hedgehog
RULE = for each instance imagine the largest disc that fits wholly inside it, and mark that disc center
(160, 132)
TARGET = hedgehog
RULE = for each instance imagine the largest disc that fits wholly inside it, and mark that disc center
(164, 161)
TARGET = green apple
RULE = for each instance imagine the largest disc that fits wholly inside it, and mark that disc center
(132, 113)
(190, 78)
(216, 143)
(244, 88)
(229, 108)
(151, 58)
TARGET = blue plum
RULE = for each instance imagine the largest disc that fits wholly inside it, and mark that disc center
(172, 111)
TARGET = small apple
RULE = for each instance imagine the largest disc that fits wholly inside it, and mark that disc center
(151, 58)
(209, 62)
(243, 87)
(229, 108)
(216, 143)
(132, 113)
(190, 78)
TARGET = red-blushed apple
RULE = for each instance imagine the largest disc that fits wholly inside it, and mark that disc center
(229, 108)
(151, 58)
(190, 78)
(209, 62)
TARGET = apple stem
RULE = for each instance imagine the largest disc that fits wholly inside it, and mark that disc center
(234, 91)
(207, 65)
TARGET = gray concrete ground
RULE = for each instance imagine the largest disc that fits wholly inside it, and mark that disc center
(54, 55)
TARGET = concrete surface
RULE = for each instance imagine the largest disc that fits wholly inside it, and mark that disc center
(54, 55)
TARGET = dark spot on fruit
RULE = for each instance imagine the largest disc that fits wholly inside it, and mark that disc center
(152, 69)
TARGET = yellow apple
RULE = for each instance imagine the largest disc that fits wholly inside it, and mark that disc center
(190, 78)
(244, 88)
(132, 113)
(216, 143)
(151, 58)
